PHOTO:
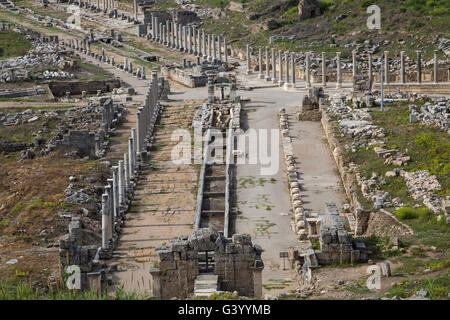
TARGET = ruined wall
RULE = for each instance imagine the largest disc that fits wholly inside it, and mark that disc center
(238, 264)
(59, 88)
(335, 243)
(181, 76)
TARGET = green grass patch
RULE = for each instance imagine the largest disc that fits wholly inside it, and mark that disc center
(13, 44)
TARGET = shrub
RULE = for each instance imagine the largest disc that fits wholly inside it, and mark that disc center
(407, 213)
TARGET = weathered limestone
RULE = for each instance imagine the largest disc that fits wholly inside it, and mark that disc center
(204, 44)
(226, 50)
(249, 71)
(280, 62)
(219, 42)
(274, 67)
(386, 67)
(369, 62)
(307, 70)
(237, 264)
(419, 66)
(402, 67)
(209, 48)
(214, 56)
(267, 65)
(293, 70)
(435, 67)
(260, 74)
(354, 65)
(324, 70)
(338, 71)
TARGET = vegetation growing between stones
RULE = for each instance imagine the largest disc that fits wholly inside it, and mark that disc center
(13, 44)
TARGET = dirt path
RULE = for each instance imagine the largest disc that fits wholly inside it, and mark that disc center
(163, 207)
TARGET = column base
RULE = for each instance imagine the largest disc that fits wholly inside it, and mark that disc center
(260, 76)
(288, 85)
(274, 80)
(267, 78)
(280, 83)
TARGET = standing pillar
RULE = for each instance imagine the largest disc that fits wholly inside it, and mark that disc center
(369, 62)
(115, 170)
(194, 39)
(308, 77)
(286, 62)
(338, 71)
(280, 65)
(209, 48)
(267, 64)
(226, 49)
(185, 45)
(121, 183)
(105, 222)
(435, 69)
(219, 44)
(214, 48)
(274, 67)
(130, 159)
(126, 173)
(402, 67)
(293, 70)
(249, 70)
(199, 44)
(419, 66)
(386, 67)
(324, 70)
(260, 74)
(204, 44)
(135, 7)
(354, 64)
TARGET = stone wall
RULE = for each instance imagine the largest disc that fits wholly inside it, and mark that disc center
(59, 88)
(238, 264)
(184, 77)
(336, 246)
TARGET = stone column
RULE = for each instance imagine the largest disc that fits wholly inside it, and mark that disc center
(293, 70)
(214, 48)
(308, 76)
(204, 44)
(274, 67)
(435, 69)
(189, 39)
(260, 74)
(219, 42)
(338, 71)
(210, 88)
(225, 47)
(126, 173)
(324, 70)
(105, 221)
(419, 66)
(209, 48)
(130, 159)
(133, 136)
(194, 38)
(110, 192)
(386, 67)
(402, 67)
(286, 62)
(115, 170)
(121, 183)
(161, 33)
(185, 39)
(135, 7)
(280, 66)
(199, 44)
(369, 62)
(354, 64)
(249, 70)
(267, 65)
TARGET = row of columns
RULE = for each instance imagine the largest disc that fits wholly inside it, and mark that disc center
(85, 47)
(115, 199)
(188, 39)
(282, 77)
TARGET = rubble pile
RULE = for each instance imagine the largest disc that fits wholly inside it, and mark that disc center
(43, 54)
(432, 114)
(422, 187)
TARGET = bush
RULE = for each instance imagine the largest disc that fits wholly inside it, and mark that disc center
(366, 3)
(407, 213)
